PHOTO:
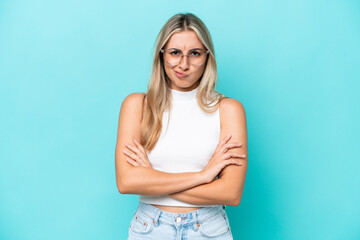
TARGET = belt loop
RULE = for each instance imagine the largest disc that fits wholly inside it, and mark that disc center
(196, 224)
(156, 219)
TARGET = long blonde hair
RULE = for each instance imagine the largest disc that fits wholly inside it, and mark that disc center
(158, 97)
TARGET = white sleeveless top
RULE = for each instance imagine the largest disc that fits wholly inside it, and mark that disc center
(186, 144)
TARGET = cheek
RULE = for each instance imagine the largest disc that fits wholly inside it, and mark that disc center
(198, 72)
(167, 68)
(169, 71)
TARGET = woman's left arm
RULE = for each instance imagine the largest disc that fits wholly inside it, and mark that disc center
(228, 188)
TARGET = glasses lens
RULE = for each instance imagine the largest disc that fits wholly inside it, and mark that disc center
(195, 57)
(172, 56)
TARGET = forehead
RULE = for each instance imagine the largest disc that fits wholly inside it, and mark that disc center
(184, 40)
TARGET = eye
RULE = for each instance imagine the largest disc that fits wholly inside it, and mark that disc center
(195, 53)
(174, 52)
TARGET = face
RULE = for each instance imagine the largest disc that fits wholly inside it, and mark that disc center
(184, 76)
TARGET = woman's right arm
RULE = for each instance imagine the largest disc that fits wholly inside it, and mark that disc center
(142, 180)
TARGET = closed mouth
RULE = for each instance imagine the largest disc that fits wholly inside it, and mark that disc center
(181, 74)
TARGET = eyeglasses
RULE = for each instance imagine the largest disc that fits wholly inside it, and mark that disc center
(195, 56)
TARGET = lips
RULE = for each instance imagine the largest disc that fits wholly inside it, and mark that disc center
(180, 75)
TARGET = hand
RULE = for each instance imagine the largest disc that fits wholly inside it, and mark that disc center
(220, 159)
(136, 155)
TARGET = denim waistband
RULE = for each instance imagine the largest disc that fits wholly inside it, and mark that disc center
(154, 215)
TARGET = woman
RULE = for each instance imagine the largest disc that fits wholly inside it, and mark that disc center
(173, 147)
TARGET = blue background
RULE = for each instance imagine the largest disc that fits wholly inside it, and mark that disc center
(66, 66)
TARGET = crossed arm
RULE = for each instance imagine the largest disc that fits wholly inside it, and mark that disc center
(226, 190)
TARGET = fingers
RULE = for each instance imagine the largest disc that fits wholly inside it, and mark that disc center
(226, 147)
(132, 162)
(233, 161)
(134, 157)
(137, 151)
(134, 149)
(235, 155)
(225, 140)
(140, 147)
(140, 156)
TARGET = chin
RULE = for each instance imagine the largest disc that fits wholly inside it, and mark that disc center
(182, 83)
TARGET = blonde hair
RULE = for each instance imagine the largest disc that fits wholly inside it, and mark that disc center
(158, 97)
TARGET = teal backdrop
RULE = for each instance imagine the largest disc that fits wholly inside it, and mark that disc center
(66, 66)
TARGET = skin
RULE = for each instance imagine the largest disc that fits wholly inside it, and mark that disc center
(194, 188)
(184, 41)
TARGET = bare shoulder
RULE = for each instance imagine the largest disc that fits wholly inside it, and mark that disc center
(233, 119)
(130, 116)
(230, 107)
(133, 100)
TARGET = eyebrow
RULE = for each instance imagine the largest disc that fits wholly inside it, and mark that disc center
(189, 50)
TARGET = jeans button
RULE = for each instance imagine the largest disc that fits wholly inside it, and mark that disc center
(178, 219)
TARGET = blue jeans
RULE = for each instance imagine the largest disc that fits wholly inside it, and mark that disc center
(152, 223)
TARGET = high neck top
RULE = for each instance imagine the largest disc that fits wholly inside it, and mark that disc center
(188, 139)
(178, 95)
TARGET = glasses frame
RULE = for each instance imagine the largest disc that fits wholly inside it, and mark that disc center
(182, 55)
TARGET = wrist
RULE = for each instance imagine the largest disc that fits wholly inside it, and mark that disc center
(202, 177)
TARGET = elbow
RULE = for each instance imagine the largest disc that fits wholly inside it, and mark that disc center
(122, 189)
(123, 185)
(235, 200)
(125, 182)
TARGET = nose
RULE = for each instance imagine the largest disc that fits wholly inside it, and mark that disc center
(184, 62)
